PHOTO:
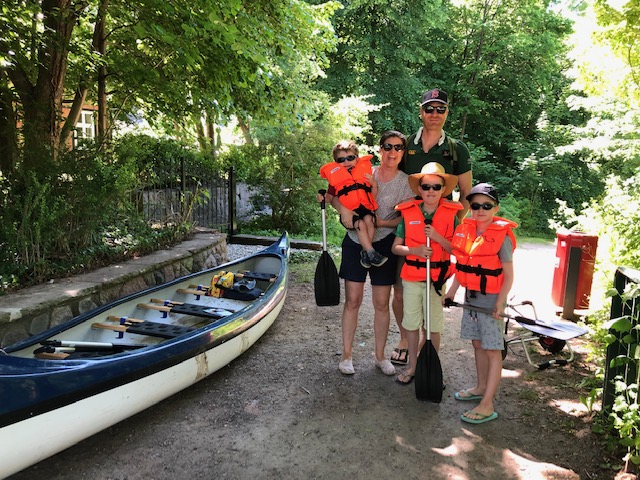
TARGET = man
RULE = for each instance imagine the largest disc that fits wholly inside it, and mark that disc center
(431, 144)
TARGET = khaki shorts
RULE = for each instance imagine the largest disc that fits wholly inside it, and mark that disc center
(413, 298)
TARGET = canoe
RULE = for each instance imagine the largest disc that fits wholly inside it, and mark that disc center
(108, 364)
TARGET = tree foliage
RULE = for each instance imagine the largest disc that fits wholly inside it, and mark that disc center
(180, 59)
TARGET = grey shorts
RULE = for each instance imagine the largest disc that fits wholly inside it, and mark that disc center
(483, 327)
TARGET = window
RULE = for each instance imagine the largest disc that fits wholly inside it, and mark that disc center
(85, 128)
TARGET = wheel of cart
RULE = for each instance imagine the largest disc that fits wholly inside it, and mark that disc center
(552, 345)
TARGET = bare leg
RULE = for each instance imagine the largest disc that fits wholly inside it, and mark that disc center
(412, 339)
(365, 233)
(354, 292)
(381, 318)
(397, 306)
(435, 340)
(492, 364)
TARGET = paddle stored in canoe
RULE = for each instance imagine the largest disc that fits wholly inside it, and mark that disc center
(112, 362)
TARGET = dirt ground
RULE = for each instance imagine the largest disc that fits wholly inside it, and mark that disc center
(283, 411)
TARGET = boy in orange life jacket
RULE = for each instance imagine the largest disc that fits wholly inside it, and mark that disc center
(483, 246)
(351, 180)
(431, 185)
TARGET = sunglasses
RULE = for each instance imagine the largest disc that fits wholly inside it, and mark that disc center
(388, 146)
(349, 158)
(431, 109)
(484, 206)
(426, 187)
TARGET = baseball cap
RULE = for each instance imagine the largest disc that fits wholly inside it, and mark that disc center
(484, 189)
(435, 95)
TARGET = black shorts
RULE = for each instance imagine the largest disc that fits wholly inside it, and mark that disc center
(351, 269)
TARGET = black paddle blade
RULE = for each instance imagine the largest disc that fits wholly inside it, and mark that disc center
(326, 282)
(429, 374)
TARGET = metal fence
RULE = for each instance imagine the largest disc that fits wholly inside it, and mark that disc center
(178, 192)
(629, 308)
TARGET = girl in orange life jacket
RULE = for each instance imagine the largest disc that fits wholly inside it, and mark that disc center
(483, 246)
(432, 184)
(351, 181)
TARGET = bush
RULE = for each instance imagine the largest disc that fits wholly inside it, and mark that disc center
(79, 214)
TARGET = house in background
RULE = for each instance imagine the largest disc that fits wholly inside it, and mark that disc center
(85, 128)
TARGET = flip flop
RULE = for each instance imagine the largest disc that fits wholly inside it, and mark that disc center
(465, 396)
(406, 382)
(482, 419)
(402, 356)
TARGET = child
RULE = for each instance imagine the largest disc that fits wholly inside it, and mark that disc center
(356, 189)
(483, 246)
(435, 218)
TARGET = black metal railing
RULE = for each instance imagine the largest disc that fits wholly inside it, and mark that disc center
(625, 341)
(177, 192)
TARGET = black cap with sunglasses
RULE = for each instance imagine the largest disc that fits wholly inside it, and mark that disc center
(484, 189)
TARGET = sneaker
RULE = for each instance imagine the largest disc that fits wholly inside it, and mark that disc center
(364, 259)
(346, 367)
(386, 366)
(376, 259)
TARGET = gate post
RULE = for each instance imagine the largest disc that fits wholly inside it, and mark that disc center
(232, 202)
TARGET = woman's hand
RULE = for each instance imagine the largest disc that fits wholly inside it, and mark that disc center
(346, 218)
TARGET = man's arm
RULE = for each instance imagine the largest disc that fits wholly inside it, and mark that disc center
(465, 181)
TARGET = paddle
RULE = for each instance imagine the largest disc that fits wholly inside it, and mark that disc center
(144, 327)
(326, 281)
(61, 349)
(428, 369)
(517, 318)
(186, 308)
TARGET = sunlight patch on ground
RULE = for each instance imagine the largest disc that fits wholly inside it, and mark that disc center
(570, 407)
(525, 469)
(469, 454)
(506, 373)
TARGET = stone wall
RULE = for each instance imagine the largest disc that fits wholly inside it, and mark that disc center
(32, 310)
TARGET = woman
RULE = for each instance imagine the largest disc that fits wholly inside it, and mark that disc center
(393, 188)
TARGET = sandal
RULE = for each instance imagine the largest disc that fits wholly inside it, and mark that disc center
(400, 356)
(404, 379)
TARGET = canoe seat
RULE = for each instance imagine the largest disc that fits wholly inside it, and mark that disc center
(267, 277)
(152, 329)
(188, 309)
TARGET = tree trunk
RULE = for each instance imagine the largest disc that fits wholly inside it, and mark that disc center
(42, 102)
(100, 45)
(8, 133)
(246, 132)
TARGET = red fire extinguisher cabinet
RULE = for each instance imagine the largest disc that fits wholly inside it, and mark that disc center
(573, 273)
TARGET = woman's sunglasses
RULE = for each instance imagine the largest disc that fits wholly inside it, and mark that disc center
(431, 109)
(349, 158)
(388, 146)
(484, 206)
(426, 187)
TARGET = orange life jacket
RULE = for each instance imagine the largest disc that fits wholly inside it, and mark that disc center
(414, 268)
(478, 266)
(352, 187)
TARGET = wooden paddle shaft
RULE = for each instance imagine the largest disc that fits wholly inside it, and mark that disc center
(113, 318)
